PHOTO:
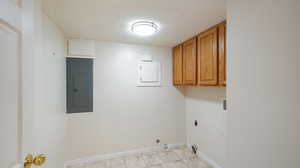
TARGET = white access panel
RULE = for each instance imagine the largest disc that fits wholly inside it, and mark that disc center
(149, 74)
(78, 47)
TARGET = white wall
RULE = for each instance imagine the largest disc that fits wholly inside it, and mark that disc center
(263, 117)
(44, 86)
(204, 104)
(127, 117)
(50, 95)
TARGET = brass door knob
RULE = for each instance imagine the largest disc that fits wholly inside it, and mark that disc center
(37, 161)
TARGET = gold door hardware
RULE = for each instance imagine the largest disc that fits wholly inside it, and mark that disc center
(37, 161)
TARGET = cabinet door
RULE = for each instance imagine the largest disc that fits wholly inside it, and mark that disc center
(177, 65)
(79, 85)
(207, 58)
(222, 54)
(189, 62)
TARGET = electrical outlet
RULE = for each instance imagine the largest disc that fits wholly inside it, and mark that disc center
(224, 101)
(157, 141)
(195, 148)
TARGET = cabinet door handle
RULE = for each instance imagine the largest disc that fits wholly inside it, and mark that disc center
(75, 90)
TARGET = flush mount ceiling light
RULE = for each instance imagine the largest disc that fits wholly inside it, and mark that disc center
(144, 28)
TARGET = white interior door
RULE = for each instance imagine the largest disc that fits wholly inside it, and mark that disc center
(10, 83)
(10, 95)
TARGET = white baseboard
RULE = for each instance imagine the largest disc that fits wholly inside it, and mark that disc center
(208, 160)
(203, 156)
(118, 154)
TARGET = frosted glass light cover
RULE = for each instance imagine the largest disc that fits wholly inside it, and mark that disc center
(144, 28)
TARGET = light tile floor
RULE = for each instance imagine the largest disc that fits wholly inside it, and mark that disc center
(180, 157)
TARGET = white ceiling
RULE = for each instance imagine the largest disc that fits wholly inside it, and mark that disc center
(109, 20)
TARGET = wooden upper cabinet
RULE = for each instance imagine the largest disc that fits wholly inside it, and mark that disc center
(202, 59)
(177, 65)
(222, 53)
(207, 56)
(189, 61)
